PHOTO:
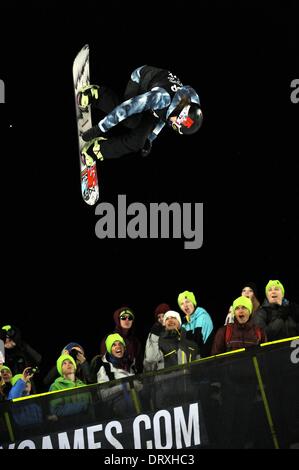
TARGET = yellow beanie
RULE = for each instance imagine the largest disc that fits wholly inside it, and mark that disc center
(244, 302)
(62, 358)
(111, 339)
(275, 283)
(186, 295)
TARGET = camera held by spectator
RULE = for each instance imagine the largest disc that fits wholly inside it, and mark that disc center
(32, 370)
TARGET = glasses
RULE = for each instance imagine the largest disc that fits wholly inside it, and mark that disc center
(126, 317)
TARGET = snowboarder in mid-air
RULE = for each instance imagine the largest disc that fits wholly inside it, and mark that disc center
(153, 97)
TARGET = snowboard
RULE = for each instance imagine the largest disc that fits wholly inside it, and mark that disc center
(88, 175)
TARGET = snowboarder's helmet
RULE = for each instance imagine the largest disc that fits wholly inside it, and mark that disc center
(189, 120)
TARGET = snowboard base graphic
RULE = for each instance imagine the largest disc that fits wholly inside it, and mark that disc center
(88, 175)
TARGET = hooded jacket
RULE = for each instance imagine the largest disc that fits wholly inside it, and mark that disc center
(278, 321)
(199, 327)
(170, 348)
(133, 345)
(242, 336)
(71, 404)
(22, 355)
(61, 384)
(119, 393)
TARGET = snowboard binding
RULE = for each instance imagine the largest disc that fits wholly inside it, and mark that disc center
(91, 151)
(87, 95)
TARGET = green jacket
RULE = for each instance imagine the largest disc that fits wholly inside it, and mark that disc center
(61, 383)
(70, 404)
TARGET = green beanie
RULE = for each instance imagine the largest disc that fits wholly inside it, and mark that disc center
(62, 358)
(15, 378)
(187, 295)
(5, 368)
(111, 339)
(6, 327)
(244, 302)
(276, 284)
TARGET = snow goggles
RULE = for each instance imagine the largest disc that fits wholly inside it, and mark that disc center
(125, 317)
(126, 314)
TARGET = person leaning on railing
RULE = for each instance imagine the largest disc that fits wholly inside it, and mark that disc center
(74, 403)
(278, 316)
(242, 333)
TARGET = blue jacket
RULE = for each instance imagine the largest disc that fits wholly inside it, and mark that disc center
(200, 325)
(28, 414)
(17, 390)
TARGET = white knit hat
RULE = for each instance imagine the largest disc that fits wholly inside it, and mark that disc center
(172, 313)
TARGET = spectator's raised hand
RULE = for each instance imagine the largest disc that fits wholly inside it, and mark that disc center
(27, 374)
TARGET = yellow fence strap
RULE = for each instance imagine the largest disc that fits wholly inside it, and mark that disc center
(265, 402)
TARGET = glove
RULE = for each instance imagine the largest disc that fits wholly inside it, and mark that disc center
(195, 336)
(92, 133)
(157, 328)
(189, 335)
(146, 149)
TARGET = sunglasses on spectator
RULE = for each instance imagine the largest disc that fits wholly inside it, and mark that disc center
(124, 317)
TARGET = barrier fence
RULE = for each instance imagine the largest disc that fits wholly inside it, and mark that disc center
(246, 399)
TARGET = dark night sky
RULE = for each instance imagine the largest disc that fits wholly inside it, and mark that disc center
(60, 282)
